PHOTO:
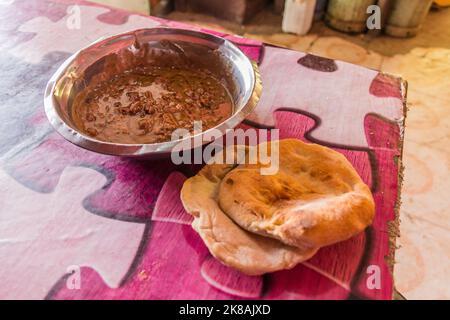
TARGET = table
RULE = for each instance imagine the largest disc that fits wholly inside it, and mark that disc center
(79, 225)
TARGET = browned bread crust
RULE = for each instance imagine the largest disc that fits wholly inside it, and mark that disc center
(316, 198)
(238, 248)
(263, 223)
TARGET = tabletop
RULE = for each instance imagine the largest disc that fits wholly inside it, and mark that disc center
(79, 225)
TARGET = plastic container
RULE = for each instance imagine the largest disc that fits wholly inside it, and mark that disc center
(298, 16)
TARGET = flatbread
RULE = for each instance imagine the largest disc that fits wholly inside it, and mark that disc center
(250, 253)
(315, 199)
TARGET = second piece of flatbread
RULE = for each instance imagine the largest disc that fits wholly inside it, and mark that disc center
(250, 253)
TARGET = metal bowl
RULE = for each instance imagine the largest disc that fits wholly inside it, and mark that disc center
(155, 46)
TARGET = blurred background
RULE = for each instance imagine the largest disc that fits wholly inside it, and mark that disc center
(409, 38)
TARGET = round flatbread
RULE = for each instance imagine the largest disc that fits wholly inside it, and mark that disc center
(248, 252)
(315, 199)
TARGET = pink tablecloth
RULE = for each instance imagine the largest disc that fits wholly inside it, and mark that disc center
(79, 225)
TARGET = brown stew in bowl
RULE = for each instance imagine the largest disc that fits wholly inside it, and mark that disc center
(146, 104)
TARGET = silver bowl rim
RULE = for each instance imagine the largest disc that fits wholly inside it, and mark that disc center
(141, 150)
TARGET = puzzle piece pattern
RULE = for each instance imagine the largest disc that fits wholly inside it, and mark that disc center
(95, 22)
(335, 272)
(37, 159)
(132, 187)
(41, 235)
(21, 109)
(336, 92)
(90, 29)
